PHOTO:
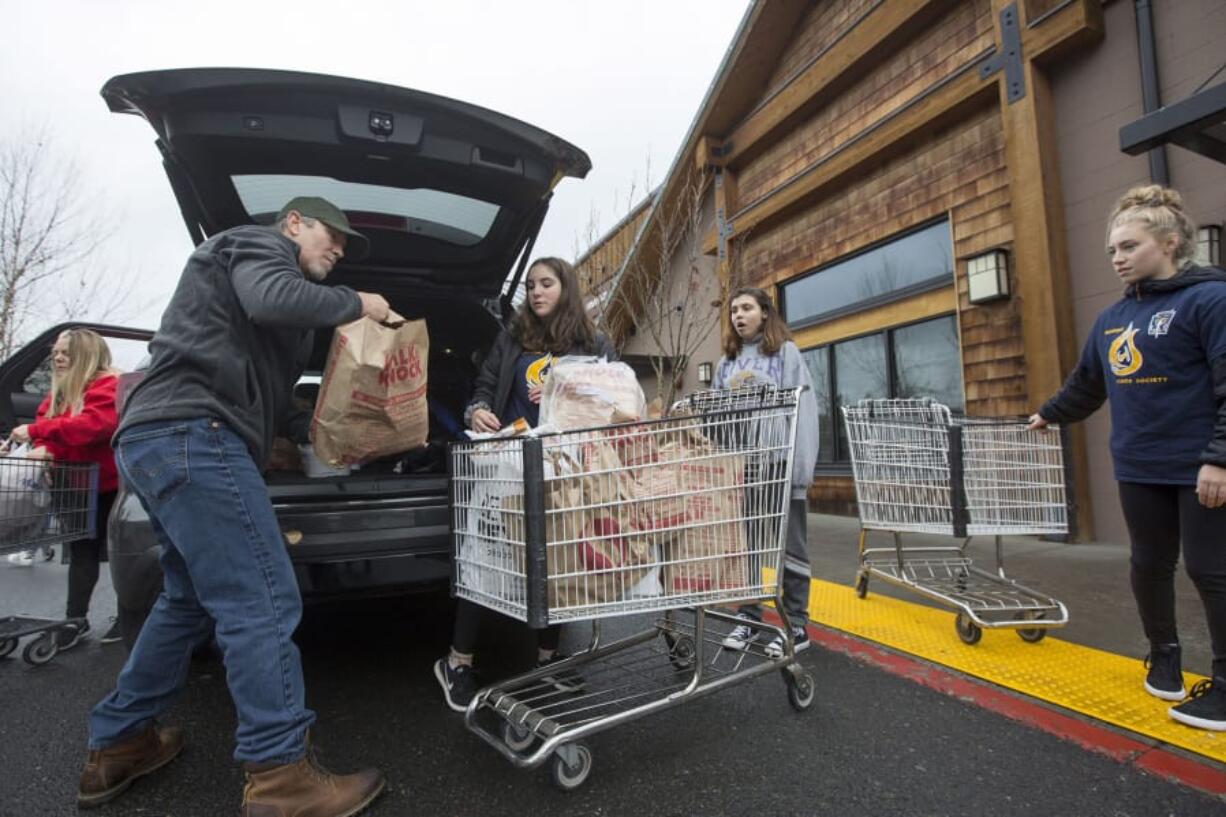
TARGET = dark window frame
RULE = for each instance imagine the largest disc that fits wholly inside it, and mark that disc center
(946, 278)
(841, 464)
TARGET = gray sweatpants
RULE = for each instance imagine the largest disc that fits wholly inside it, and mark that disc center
(795, 569)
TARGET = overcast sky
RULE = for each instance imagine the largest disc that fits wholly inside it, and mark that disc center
(622, 80)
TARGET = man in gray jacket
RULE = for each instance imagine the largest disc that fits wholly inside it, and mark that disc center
(192, 444)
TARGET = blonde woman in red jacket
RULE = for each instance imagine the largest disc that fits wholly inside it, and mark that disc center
(75, 423)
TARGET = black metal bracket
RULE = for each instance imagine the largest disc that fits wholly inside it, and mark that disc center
(1009, 58)
(723, 227)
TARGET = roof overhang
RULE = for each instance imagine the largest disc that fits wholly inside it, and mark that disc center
(1197, 123)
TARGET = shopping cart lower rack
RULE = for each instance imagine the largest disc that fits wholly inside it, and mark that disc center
(919, 469)
(668, 517)
(43, 504)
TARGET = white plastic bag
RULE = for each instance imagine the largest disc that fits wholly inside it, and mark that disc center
(24, 495)
(588, 392)
(490, 560)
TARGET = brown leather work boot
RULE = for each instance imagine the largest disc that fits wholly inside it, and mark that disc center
(307, 789)
(109, 772)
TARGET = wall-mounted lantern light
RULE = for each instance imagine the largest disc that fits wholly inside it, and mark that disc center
(987, 276)
(704, 373)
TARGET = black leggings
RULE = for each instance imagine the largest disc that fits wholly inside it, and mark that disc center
(1159, 517)
(468, 618)
(84, 556)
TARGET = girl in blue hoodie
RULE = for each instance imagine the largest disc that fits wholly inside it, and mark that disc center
(758, 350)
(1159, 355)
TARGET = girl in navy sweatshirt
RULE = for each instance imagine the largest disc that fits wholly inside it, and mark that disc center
(759, 351)
(1159, 355)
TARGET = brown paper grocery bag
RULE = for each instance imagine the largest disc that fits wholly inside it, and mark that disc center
(597, 545)
(372, 399)
(694, 499)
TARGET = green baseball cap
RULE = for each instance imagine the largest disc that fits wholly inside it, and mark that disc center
(320, 208)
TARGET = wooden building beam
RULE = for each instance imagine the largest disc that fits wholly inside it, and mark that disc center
(873, 35)
(1077, 23)
(948, 100)
(1040, 254)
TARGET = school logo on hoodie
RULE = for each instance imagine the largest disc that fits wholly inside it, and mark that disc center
(1160, 323)
(1123, 354)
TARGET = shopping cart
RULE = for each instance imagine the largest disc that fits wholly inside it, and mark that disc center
(919, 469)
(670, 517)
(43, 503)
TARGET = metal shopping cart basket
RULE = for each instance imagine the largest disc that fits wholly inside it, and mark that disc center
(668, 517)
(919, 469)
(42, 503)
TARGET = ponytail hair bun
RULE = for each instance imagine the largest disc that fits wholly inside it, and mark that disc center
(1150, 195)
(1160, 210)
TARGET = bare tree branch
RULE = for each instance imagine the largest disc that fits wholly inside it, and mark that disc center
(671, 287)
(48, 238)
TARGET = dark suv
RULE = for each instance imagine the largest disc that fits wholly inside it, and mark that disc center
(451, 196)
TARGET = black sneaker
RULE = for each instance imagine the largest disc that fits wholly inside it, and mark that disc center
(1205, 707)
(70, 635)
(1165, 677)
(459, 683)
(565, 679)
(742, 635)
(800, 641)
(113, 633)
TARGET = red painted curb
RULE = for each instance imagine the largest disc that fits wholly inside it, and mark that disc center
(1208, 776)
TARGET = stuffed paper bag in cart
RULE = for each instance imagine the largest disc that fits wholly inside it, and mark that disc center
(696, 508)
(597, 537)
(372, 399)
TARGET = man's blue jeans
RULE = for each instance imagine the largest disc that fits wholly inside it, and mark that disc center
(224, 562)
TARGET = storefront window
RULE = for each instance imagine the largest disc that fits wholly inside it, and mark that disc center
(919, 360)
(909, 264)
(927, 362)
(818, 361)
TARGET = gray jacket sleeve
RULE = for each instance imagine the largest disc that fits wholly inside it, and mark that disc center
(274, 292)
(796, 373)
(721, 368)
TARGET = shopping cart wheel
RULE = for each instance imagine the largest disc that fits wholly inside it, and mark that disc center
(517, 737)
(680, 651)
(7, 646)
(802, 689)
(862, 585)
(41, 650)
(569, 777)
(1032, 635)
(968, 631)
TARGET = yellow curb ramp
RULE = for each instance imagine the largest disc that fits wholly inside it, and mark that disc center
(1094, 683)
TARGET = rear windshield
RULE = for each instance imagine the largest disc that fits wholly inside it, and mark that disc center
(421, 211)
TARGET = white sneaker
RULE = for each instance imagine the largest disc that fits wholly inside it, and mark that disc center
(800, 641)
(742, 636)
(23, 559)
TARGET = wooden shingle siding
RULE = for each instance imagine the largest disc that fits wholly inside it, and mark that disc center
(602, 261)
(961, 174)
(822, 26)
(926, 183)
(959, 35)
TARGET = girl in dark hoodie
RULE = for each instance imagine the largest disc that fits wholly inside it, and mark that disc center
(1159, 354)
(552, 322)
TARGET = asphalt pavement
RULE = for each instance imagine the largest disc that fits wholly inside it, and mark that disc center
(873, 742)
